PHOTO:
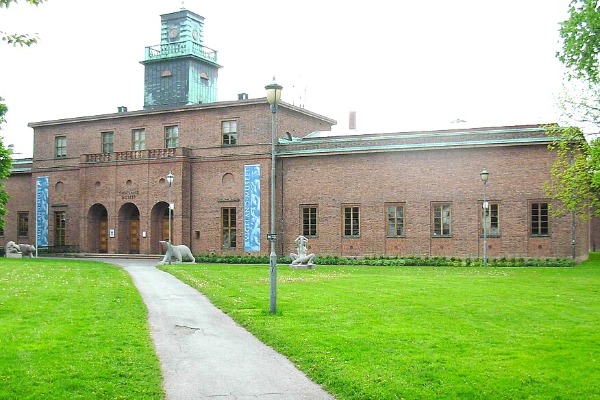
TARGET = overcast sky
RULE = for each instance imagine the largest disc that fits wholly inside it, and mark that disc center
(401, 65)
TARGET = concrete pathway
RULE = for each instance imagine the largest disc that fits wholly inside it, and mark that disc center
(203, 353)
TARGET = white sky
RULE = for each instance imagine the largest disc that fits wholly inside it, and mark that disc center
(401, 65)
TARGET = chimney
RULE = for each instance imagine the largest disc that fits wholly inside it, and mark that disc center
(352, 120)
(243, 96)
(121, 109)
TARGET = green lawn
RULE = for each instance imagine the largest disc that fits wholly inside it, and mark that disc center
(424, 332)
(73, 330)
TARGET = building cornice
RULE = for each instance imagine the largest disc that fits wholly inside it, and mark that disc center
(180, 109)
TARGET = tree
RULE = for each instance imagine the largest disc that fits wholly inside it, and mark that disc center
(5, 166)
(581, 40)
(573, 180)
(22, 39)
(575, 175)
(5, 156)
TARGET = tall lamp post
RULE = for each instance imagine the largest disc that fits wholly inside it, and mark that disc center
(484, 177)
(273, 97)
(170, 182)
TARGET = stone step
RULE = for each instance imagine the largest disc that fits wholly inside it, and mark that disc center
(112, 255)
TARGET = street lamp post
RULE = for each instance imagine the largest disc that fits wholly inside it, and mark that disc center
(273, 97)
(484, 177)
(170, 182)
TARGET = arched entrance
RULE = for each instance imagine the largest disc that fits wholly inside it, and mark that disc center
(97, 229)
(128, 233)
(159, 229)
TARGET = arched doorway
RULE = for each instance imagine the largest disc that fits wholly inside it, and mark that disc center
(97, 229)
(159, 229)
(128, 234)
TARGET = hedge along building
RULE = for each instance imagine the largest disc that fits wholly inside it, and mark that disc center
(408, 193)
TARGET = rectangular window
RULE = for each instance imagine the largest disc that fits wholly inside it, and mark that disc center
(1, 231)
(138, 139)
(395, 220)
(309, 221)
(229, 132)
(60, 228)
(23, 223)
(492, 220)
(352, 221)
(442, 220)
(228, 224)
(171, 137)
(60, 145)
(540, 222)
(107, 142)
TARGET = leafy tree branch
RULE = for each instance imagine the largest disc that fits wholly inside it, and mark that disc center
(581, 40)
(574, 178)
(22, 39)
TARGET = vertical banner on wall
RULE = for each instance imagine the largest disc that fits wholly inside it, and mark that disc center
(251, 207)
(41, 212)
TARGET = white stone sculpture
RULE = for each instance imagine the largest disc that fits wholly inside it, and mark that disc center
(27, 250)
(12, 250)
(179, 252)
(302, 260)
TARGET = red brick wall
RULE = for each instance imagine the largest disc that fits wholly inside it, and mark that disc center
(418, 178)
(21, 190)
(209, 176)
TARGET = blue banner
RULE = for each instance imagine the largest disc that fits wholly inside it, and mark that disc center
(41, 212)
(252, 208)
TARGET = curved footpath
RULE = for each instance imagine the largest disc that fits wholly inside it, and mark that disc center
(203, 353)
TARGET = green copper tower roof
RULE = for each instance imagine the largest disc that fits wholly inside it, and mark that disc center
(180, 70)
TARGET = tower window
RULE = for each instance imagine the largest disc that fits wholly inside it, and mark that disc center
(60, 146)
(229, 132)
(138, 137)
(107, 142)
(171, 137)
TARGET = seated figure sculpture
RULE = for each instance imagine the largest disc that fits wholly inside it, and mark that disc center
(12, 249)
(27, 250)
(302, 260)
(179, 252)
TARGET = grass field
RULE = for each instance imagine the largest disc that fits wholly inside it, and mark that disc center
(73, 330)
(424, 332)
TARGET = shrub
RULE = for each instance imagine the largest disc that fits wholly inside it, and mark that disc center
(410, 261)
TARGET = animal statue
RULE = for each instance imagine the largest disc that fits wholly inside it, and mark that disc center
(12, 248)
(28, 250)
(179, 252)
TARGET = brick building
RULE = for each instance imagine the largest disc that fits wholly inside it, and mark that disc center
(407, 193)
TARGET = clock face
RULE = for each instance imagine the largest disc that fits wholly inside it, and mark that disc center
(195, 34)
(173, 33)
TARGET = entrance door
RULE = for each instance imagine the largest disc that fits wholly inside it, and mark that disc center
(103, 236)
(134, 233)
(165, 226)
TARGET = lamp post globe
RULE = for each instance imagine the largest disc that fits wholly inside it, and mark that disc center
(273, 98)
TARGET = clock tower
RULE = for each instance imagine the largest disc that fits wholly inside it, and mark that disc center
(180, 70)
